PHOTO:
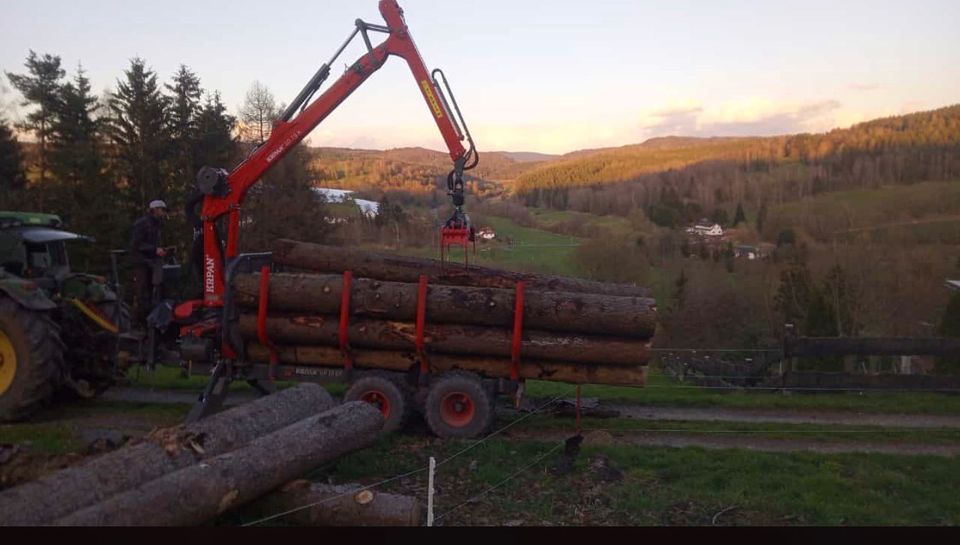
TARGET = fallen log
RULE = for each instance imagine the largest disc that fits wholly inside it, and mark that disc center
(542, 310)
(450, 339)
(160, 453)
(202, 492)
(342, 505)
(401, 361)
(396, 268)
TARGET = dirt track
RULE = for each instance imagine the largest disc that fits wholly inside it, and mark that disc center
(732, 441)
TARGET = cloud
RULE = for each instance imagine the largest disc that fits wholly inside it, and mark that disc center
(864, 86)
(743, 117)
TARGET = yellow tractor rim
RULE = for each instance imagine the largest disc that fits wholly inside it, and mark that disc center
(8, 362)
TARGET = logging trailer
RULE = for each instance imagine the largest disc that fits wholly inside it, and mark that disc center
(456, 403)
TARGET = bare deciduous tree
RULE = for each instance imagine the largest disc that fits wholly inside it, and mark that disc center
(257, 114)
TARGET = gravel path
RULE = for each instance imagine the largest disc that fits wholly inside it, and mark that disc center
(682, 440)
(639, 412)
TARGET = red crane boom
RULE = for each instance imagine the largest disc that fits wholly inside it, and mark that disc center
(223, 193)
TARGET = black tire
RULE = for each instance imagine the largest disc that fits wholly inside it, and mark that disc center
(458, 406)
(386, 394)
(35, 341)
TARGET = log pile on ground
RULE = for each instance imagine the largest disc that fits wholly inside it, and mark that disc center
(574, 330)
(193, 473)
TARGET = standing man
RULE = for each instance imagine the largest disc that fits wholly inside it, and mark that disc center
(145, 249)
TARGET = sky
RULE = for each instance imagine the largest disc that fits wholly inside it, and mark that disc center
(546, 76)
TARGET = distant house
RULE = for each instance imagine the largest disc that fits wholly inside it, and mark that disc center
(368, 209)
(748, 252)
(705, 229)
(486, 233)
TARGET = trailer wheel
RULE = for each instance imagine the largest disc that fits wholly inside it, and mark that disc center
(458, 406)
(386, 395)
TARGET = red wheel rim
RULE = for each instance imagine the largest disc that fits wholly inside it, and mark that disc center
(457, 409)
(378, 400)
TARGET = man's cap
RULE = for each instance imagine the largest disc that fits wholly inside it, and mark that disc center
(157, 204)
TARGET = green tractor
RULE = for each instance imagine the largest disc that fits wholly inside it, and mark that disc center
(59, 330)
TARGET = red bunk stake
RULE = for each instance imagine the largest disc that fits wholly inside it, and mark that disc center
(421, 323)
(262, 319)
(517, 333)
(345, 320)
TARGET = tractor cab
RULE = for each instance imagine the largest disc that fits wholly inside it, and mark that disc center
(33, 246)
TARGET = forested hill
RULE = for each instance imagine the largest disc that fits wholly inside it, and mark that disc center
(414, 169)
(924, 131)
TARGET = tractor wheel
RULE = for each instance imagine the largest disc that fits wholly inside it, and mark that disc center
(31, 360)
(385, 394)
(458, 406)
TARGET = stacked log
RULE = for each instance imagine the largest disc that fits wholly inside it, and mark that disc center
(201, 492)
(573, 330)
(163, 451)
(193, 473)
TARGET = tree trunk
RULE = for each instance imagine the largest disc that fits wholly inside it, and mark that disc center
(343, 505)
(202, 492)
(396, 268)
(451, 339)
(543, 310)
(160, 453)
(402, 361)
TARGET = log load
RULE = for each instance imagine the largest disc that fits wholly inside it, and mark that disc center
(625, 316)
(160, 453)
(341, 505)
(451, 339)
(201, 492)
(395, 268)
(402, 361)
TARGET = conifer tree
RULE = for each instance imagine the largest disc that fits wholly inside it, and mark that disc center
(40, 88)
(11, 165)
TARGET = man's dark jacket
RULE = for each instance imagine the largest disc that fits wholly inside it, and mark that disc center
(146, 239)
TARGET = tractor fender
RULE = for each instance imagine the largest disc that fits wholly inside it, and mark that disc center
(26, 294)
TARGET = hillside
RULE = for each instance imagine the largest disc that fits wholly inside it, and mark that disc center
(412, 169)
(924, 131)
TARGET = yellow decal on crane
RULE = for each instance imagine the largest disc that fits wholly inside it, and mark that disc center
(432, 98)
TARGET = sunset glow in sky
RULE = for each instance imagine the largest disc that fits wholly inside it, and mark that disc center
(532, 75)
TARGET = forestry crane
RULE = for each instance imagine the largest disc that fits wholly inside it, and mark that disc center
(208, 331)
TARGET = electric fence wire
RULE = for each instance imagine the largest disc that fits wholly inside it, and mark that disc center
(407, 474)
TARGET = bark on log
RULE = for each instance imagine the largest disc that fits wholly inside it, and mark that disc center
(342, 505)
(543, 310)
(396, 268)
(160, 453)
(322, 356)
(450, 339)
(202, 492)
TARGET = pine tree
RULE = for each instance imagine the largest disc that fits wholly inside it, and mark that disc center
(80, 183)
(74, 154)
(761, 218)
(680, 290)
(11, 165)
(216, 146)
(184, 119)
(137, 128)
(950, 327)
(795, 292)
(40, 87)
(739, 217)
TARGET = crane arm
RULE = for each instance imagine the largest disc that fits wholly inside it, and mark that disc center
(224, 193)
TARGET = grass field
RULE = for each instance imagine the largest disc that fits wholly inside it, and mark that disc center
(877, 213)
(529, 250)
(664, 486)
(664, 392)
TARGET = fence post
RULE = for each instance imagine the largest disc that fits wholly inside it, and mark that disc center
(432, 469)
